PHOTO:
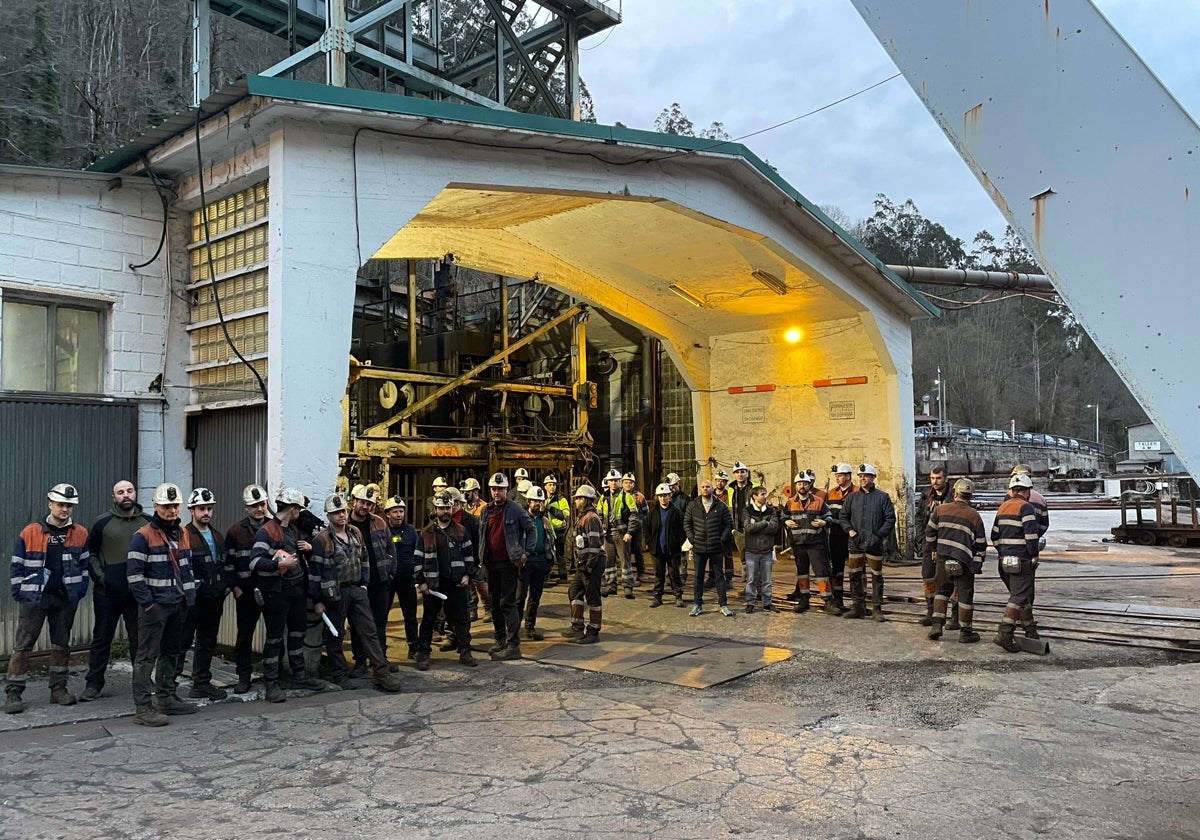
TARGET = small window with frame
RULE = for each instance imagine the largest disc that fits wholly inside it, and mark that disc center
(51, 346)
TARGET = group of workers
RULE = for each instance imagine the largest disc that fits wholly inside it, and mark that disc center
(168, 581)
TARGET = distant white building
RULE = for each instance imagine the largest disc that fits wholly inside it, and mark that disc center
(1149, 449)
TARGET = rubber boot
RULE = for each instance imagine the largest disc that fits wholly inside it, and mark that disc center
(243, 684)
(830, 607)
(877, 598)
(12, 700)
(510, 652)
(803, 604)
(966, 635)
(794, 595)
(936, 623)
(533, 634)
(952, 619)
(60, 696)
(1028, 623)
(927, 620)
(275, 693)
(839, 600)
(858, 597)
(1004, 638)
(576, 628)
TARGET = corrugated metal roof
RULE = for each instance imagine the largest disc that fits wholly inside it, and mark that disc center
(172, 126)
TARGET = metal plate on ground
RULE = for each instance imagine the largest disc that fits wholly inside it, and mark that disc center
(618, 653)
(663, 657)
(710, 665)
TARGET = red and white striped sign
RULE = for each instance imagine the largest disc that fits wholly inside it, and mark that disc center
(845, 380)
(750, 389)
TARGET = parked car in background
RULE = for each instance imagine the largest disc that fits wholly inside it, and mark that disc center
(1074, 444)
(996, 435)
(1061, 442)
(971, 433)
(1043, 440)
(922, 432)
(1025, 437)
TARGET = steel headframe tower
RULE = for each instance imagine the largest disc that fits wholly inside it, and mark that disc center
(520, 55)
(1089, 158)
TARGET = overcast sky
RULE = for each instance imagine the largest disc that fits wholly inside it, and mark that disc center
(753, 63)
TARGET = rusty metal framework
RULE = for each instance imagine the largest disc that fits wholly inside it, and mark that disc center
(520, 55)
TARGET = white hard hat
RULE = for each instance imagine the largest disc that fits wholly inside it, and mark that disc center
(721, 474)
(201, 496)
(663, 489)
(1020, 468)
(288, 496)
(964, 487)
(549, 479)
(63, 493)
(628, 477)
(740, 467)
(535, 493)
(498, 480)
(521, 473)
(362, 491)
(454, 493)
(524, 486)
(842, 467)
(168, 494)
(806, 475)
(672, 478)
(585, 491)
(440, 481)
(468, 484)
(253, 494)
(867, 469)
(613, 475)
(334, 504)
(395, 502)
(1020, 480)
(443, 500)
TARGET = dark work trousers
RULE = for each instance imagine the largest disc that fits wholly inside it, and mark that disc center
(584, 592)
(455, 607)
(110, 609)
(664, 566)
(839, 551)
(160, 636)
(716, 562)
(284, 613)
(354, 607)
(58, 614)
(529, 592)
(248, 612)
(947, 587)
(1007, 578)
(380, 596)
(1020, 585)
(406, 595)
(202, 621)
(503, 579)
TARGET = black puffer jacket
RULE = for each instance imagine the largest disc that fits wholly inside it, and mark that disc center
(761, 527)
(708, 531)
(872, 516)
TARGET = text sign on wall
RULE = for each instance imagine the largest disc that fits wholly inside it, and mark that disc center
(754, 414)
(841, 410)
(1147, 446)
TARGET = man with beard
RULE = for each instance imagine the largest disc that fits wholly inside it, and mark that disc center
(337, 584)
(445, 559)
(49, 579)
(160, 579)
(507, 539)
(839, 543)
(239, 541)
(213, 573)
(805, 518)
(108, 544)
(377, 540)
(938, 492)
(404, 543)
(869, 518)
(275, 560)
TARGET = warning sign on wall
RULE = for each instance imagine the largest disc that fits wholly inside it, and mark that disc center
(754, 414)
(841, 410)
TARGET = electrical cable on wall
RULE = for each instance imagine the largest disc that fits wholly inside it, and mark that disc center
(212, 270)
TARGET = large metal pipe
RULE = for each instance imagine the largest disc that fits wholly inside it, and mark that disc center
(962, 277)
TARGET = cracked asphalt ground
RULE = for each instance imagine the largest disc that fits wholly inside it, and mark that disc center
(869, 731)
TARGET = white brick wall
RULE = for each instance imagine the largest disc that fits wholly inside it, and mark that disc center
(70, 235)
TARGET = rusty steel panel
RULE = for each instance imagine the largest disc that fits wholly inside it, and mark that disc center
(1089, 158)
(91, 444)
